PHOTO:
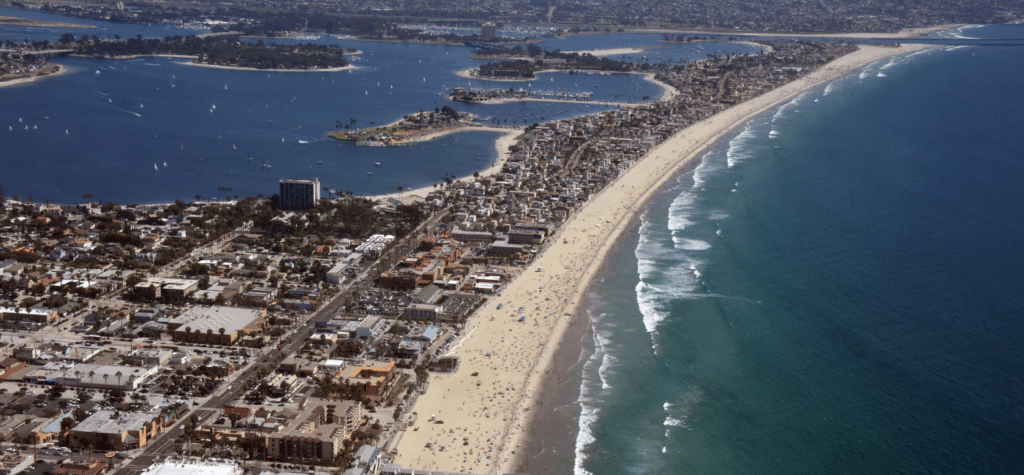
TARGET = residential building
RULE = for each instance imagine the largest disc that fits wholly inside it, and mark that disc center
(316, 432)
(298, 195)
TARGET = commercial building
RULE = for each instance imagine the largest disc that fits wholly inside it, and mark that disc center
(298, 195)
(125, 378)
(110, 430)
(216, 325)
(80, 467)
(150, 356)
(192, 467)
(11, 464)
(156, 288)
(33, 315)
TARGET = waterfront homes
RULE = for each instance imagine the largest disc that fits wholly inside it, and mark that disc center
(113, 430)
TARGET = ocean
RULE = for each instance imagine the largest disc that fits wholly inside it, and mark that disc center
(835, 288)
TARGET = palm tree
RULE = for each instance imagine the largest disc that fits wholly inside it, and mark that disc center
(118, 375)
(91, 374)
(222, 331)
(105, 376)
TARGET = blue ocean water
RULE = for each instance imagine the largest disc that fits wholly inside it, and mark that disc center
(836, 288)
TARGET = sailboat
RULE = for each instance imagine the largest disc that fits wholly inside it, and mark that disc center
(67, 132)
(378, 164)
(225, 86)
(155, 167)
(165, 164)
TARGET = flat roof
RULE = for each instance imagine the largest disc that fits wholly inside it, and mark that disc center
(193, 468)
(231, 319)
(103, 423)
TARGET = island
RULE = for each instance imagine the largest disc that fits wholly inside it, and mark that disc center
(222, 51)
(416, 128)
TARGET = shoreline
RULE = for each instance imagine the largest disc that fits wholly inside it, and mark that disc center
(61, 69)
(236, 68)
(552, 295)
(501, 145)
(19, 21)
(668, 92)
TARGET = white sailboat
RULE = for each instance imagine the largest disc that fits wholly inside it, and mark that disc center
(155, 167)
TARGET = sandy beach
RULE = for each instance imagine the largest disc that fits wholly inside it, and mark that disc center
(487, 417)
(502, 145)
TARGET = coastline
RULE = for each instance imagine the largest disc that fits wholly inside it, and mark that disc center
(18, 21)
(514, 359)
(236, 68)
(668, 93)
(14, 82)
(501, 145)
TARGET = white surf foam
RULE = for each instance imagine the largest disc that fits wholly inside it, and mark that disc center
(783, 109)
(829, 88)
(588, 405)
(739, 149)
(690, 244)
(680, 211)
(772, 134)
(671, 421)
(881, 74)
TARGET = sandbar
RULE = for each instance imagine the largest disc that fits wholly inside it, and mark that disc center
(487, 417)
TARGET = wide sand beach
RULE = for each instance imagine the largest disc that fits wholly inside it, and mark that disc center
(487, 418)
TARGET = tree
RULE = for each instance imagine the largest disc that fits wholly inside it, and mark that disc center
(66, 424)
(56, 391)
(117, 396)
(421, 374)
